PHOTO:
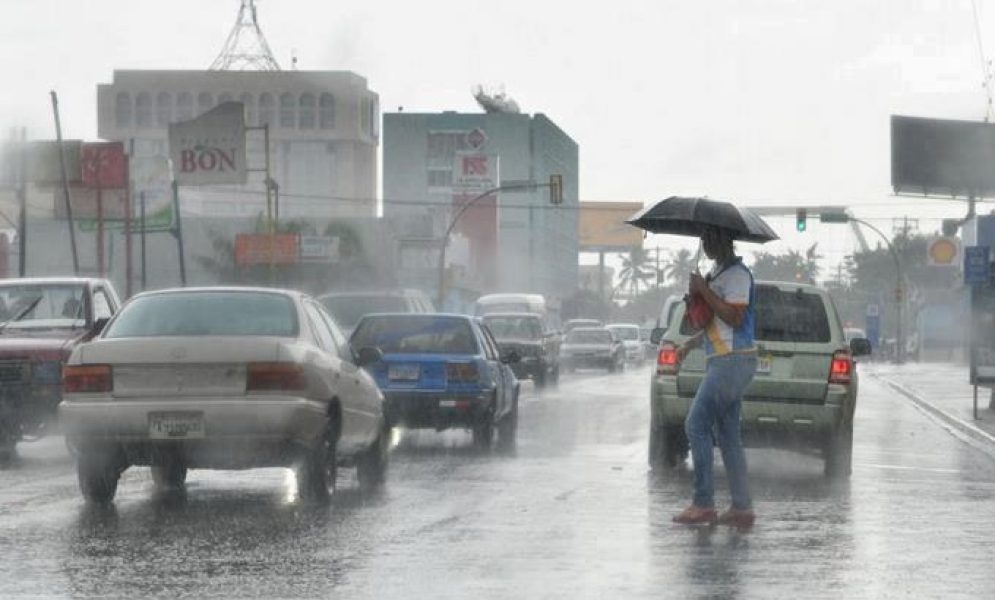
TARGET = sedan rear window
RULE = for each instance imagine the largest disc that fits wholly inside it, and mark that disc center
(416, 335)
(588, 337)
(206, 313)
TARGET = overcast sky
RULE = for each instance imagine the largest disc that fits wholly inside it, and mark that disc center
(761, 102)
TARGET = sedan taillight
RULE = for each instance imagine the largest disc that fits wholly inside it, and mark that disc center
(666, 360)
(462, 373)
(841, 369)
(83, 379)
(275, 376)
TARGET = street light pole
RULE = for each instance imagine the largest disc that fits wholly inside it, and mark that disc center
(555, 185)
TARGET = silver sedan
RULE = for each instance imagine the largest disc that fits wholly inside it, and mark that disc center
(222, 378)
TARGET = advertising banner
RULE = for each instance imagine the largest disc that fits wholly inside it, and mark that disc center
(210, 149)
(265, 249)
(103, 165)
(602, 227)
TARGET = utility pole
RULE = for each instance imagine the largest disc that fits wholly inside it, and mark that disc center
(65, 182)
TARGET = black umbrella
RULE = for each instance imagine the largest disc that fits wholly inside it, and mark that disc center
(691, 216)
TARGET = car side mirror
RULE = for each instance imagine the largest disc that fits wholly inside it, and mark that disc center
(511, 357)
(368, 355)
(860, 347)
(657, 334)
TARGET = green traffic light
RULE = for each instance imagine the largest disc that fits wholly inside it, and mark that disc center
(801, 225)
(801, 219)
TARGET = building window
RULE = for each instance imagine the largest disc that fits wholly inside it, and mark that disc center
(305, 119)
(204, 102)
(287, 116)
(143, 110)
(364, 116)
(266, 109)
(184, 106)
(163, 109)
(122, 109)
(327, 111)
(249, 104)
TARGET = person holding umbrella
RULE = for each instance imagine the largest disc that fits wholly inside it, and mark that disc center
(726, 298)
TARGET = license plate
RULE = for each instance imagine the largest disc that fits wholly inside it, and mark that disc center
(764, 363)
(176, 425)
(447, 404)
(403, 372)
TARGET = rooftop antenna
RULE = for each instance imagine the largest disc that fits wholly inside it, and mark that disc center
(246, 48)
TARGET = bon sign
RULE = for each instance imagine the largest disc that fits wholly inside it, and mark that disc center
(210, 149)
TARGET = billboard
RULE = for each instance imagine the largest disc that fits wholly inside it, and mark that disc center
(210, 149)
(936, 157)
(602, 226)
(103, 165)
(265, 249)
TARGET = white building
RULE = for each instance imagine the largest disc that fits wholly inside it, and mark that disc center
(323, 125)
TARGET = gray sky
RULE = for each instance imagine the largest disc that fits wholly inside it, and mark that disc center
(761, 102)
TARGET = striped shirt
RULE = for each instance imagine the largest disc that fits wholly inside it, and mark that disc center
(734, 284)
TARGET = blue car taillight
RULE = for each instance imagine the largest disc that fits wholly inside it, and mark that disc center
(462, 373)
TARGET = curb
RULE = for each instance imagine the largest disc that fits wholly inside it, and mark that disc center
(961, 429)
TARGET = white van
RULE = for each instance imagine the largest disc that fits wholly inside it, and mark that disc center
(518, 303)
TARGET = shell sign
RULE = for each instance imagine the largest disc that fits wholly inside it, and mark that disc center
(944, 252)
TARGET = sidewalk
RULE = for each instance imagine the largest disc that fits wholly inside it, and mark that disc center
(942, 389)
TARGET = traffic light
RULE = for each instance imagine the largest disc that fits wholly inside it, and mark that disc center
(801, 218)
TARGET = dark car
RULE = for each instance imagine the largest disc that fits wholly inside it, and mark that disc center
(592, 348)
(441, 371)
(538, 351)
(41, 321)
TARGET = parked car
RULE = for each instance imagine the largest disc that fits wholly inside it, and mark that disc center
(592, 348)
(222, 378)
(348, 307)
(441, 371)
(805, 389)
(628, 333)
(539, 352)
(41, 321)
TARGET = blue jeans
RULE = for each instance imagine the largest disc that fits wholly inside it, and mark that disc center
(717, 407)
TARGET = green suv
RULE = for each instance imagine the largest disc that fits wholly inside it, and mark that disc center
(802, 397)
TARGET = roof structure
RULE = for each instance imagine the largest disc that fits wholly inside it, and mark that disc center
(246, 48)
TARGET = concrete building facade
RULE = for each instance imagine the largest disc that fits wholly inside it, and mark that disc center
(324, 134)
(535, 243)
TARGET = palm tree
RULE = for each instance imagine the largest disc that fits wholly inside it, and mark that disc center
(681, 264)
(635, 270)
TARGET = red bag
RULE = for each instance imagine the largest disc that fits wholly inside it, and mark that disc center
(699, 314)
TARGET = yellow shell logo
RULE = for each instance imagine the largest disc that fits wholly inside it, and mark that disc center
(943, 252)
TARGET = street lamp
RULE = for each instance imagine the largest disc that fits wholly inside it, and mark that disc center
(844, 217)
(555, 186)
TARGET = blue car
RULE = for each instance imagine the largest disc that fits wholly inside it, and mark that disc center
(442, 371)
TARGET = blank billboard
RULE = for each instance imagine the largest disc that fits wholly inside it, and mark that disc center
(936, 157)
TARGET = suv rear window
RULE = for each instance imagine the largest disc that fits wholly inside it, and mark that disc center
(786, 316)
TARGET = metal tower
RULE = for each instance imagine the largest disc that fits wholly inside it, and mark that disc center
(246, 47)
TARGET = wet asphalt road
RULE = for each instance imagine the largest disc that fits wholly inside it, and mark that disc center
(574, 514)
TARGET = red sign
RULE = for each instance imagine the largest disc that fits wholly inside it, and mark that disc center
(265, 249)
(103, 165)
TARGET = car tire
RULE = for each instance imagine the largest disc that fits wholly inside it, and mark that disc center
(483, 432)
(317, 473)
(169, 472)
(98, 472)
(540, 378)
(508, 428)
(371, 466)
(838, 453)
(668, 447)
(8, 452)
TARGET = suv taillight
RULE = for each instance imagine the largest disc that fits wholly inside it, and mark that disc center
(666, 360)
(275, 376)
(87, 379)
(841, 369)
(462, 373)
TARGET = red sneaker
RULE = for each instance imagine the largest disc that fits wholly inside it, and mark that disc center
(696, 515)
(737, 517)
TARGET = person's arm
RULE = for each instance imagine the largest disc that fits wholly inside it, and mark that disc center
(731, 313)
